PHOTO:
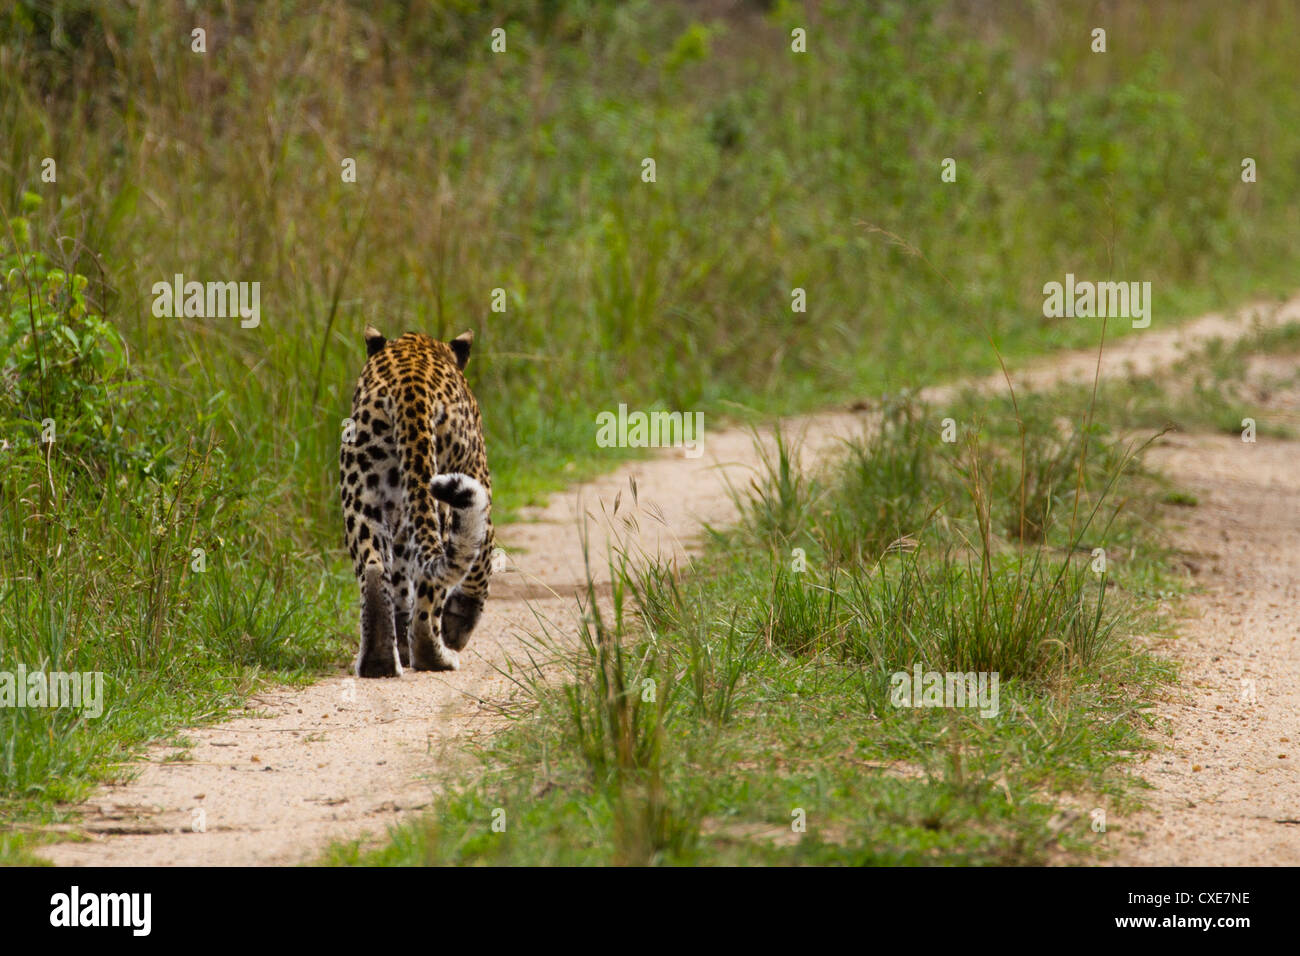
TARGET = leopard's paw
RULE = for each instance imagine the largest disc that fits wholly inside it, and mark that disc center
(429, 656)
(382, 664)
(459, 616)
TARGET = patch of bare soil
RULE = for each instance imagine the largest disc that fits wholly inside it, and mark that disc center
(344, 759)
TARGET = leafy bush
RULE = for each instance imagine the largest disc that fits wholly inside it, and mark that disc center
(61, 363)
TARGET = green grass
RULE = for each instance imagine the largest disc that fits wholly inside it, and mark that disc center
(522, 172)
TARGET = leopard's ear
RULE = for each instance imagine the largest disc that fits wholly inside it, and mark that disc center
(460, 345)
(374, 340)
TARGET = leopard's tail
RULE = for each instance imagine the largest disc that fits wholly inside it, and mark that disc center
(468, 527)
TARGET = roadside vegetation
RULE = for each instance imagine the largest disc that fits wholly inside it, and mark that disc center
(181, 534)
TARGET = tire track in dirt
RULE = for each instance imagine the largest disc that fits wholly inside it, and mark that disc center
(344, 759)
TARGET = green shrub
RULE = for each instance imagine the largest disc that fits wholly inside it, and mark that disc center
(62, 365)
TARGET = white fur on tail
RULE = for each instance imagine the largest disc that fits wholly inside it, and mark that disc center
(467, 529)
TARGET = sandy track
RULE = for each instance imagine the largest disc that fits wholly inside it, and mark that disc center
(1227, 786)
(344, 758)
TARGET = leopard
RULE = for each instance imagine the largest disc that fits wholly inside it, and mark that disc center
(417, 504)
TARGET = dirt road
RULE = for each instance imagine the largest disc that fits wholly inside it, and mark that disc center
(345, 758)
(1227, 788)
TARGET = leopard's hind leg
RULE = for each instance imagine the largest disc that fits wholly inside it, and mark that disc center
(372, 552)
(428, 651)
(378, 654)
(401, 582)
